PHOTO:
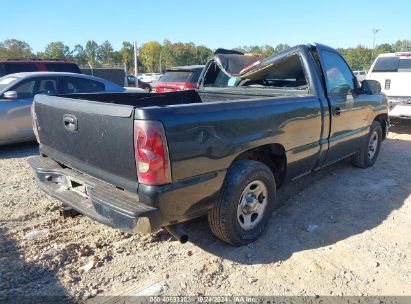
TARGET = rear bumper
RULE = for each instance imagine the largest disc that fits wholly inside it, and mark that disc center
(96, 199)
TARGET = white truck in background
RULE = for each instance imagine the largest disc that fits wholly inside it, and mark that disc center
(393, 72)
(361, 75)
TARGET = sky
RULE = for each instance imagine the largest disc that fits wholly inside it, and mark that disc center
(223, 23)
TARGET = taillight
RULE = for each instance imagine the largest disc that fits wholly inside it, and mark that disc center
(188, 86)
(34, 122)
(151, 153)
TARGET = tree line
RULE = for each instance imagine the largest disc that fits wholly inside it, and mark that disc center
(155, 56)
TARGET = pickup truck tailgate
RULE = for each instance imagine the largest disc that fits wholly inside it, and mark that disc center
(92, 137)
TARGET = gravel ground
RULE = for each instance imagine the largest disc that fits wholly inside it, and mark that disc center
(340, 231)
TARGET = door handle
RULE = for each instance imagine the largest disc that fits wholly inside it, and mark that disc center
(336, 110)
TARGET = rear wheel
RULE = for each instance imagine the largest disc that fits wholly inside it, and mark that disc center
(246, 203)
(370, 149)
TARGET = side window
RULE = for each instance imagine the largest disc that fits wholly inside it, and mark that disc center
(196, 75)
(47, 86)
(25, 89)
(81, 85)
(338, 75)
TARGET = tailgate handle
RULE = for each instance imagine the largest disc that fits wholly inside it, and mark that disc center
(70, 122)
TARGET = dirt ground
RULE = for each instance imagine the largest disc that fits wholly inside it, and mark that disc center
(340, 231)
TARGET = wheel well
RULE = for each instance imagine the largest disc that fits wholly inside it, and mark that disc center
(272, 155)
(382, 119)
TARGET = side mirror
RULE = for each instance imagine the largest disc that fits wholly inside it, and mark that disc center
(10, 95)
(370, 87)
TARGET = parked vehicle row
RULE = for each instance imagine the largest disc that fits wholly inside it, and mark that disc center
(142, 162)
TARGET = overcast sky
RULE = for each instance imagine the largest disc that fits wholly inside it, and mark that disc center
(223, 23)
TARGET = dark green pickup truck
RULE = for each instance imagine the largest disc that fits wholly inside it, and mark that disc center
(142, 162)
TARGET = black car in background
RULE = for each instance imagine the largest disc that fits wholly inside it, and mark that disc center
(131, 82)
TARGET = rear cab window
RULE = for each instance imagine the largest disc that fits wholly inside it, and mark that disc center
(285, 73)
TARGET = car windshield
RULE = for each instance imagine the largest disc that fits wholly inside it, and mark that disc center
(5, 81)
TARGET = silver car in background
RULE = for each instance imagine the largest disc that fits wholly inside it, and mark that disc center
(18, 90)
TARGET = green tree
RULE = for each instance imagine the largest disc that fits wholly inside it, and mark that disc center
(402, 46)
(105, 52)
(3, 51)
(358, 58)
(381, 49)
(79, 55)
(167, 57)
(57, 50)
(13, 48)
(91, 51)
(150, 56)
(202, 54)
(281, 47)
(268, 50)
(256, 50)
(127, 54)
(264, 51)
(184, 53)
(117, 59)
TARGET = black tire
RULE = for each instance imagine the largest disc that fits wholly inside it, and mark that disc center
(223, 218)
(362, 159)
